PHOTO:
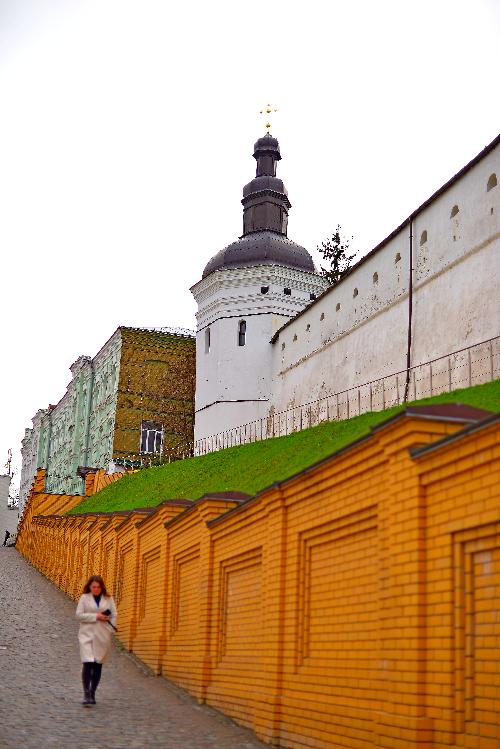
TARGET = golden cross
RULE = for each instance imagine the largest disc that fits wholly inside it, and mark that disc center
(267, 111)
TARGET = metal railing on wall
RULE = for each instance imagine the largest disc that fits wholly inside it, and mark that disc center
(468, 366)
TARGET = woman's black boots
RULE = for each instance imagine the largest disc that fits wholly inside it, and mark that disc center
(86, 679)
(91, 676)
(95, 678)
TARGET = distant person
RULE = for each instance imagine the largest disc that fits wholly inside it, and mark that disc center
(7, 536)
(96, 612)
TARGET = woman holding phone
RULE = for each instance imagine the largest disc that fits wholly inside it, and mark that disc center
(96, 612)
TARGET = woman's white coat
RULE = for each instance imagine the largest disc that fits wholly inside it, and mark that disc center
(94, 636)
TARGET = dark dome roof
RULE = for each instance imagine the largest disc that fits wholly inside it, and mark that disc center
(265, 182)
(267, 143)
(261, 248)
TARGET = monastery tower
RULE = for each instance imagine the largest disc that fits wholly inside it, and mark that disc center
(247, 292)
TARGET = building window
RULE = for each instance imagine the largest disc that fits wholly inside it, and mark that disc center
(355, 292)
(375, 277)
(492, 182)
(242, 333)
(287, 291)
(398, 257)
(264, 289)
(423, 237)
(151, 437)
(337, 307)
(454, 211)
(312, 297)
(207, 340)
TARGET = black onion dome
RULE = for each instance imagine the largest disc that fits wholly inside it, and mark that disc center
(265, 220)
(267, 143)
(261, 248)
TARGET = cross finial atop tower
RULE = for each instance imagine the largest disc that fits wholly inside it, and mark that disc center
(267, 111)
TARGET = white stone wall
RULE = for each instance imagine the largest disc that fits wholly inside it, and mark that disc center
(344, 340)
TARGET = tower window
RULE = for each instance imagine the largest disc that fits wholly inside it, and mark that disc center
(492, 182)
(264, 289)
(287, 291)
(207, 340)
(151, 437)
(242, 333)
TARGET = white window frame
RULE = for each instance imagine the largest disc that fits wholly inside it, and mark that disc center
(151, 430)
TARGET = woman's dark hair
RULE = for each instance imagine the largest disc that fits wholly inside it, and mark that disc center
(95, 579)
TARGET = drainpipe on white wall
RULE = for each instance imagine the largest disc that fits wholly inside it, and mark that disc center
(410, 313)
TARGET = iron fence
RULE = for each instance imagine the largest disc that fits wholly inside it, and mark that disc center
(469, 366)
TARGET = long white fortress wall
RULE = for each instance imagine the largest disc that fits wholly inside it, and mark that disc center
(358, 330)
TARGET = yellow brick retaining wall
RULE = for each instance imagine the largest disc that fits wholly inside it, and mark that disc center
(355, 605)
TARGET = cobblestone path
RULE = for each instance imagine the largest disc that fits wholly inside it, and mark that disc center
(40, 683)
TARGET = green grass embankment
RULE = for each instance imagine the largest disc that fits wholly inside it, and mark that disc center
(250, 468)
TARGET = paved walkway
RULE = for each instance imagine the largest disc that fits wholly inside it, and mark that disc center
(40, 683)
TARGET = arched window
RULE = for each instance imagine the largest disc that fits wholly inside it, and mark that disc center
(207, 340)
(375, 277)
(242, 333)
(423, 237)
(355, 292)
(492, 182)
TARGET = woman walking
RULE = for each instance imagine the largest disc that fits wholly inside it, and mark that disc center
(96, 612)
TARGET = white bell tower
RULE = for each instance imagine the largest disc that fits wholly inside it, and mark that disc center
(248, 291)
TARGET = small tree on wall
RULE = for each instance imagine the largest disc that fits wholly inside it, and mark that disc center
(334, 253)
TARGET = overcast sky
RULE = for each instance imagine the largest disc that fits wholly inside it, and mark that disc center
(126, 135)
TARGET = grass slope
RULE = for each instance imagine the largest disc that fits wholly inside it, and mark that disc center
(250, 468)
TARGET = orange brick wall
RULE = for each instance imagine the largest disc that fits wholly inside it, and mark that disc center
(355, 605)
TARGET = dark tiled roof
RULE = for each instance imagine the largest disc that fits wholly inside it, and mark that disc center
(232, 495)
(261, 248)
(441, 411)
(476, 426)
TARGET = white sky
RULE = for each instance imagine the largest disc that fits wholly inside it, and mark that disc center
(126, 134)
